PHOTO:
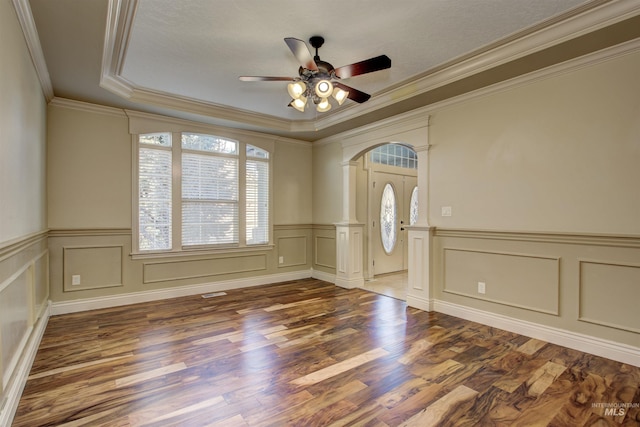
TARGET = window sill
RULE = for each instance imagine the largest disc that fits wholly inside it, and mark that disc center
(201, 252)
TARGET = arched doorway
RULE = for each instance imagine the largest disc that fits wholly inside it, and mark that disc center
(391, 174)
(351, 246)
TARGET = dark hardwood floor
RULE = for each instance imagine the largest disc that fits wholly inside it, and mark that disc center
(307, 353)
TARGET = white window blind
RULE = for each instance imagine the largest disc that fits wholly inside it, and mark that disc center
(257, 196)
(209, 195)
(154, 192)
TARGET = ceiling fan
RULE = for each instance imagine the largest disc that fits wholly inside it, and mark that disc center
(318, 80)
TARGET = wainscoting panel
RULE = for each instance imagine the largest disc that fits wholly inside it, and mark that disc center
(578, 290)
(163, 271)
(23, 313)
(609, 294)
(524, 281)
(14, 321)
(40, 284)
(98, 267)
(292, 250)
(325, 250)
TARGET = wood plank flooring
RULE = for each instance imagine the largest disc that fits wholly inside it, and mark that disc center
(307, 353)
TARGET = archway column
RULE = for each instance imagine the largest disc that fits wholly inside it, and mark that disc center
(411, 129)
(349, 234)
(420, 241)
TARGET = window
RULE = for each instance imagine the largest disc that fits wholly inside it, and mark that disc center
(413, 207)
(388, 217)
(395, 155)
(154, 192)
(206, 191)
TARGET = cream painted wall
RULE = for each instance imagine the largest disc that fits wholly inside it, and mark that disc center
(22, 135)
(292, 173)
(560, 154)
(90, 171)
(89, 149)
(327, 183)
(89, 168)
(551, 166)
(23, 212)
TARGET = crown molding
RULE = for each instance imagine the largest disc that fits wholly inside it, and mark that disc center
(587, 18)
(419, 117)
(86, 107)
(204, 108)
(120, 17)
(590, 17)
(25, 17)
(138, 117)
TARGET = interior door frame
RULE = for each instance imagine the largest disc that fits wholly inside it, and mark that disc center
(372, 208)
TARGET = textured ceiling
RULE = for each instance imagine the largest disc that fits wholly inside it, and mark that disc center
(200, 50)
(194, 51)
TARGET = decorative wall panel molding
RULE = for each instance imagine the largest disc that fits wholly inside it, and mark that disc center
(293, 250)
(80, 232)
(93, 267)
(519, 280)
(609, 294)
(164, 271)
(325, 251)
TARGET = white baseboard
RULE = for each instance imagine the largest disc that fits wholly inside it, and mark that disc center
(419, 303)
(321, 275)
(64, 307)
(25, 359)
(349, 283)
(588, 344)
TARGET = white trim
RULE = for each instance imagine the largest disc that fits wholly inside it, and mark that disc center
(25, 17)
(87, 107)
(64, 307)
(613, 350)
(143, 122)
(576, 22)
(357, 282)
(321, 275)
(25, 360)
(572, 238)
(419, 303)
(419, 117)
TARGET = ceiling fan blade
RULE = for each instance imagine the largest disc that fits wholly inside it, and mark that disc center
(378, 63)
(265, 79)
(301, 52)
(354, 94)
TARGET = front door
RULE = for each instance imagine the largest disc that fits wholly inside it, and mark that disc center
(392, 198)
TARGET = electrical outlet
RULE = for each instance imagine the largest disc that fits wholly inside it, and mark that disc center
(446, 211)
(482, 287)
(281, 260)
(75, 280)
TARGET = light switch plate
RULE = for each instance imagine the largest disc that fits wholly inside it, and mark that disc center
(446, 211)
(482, 287)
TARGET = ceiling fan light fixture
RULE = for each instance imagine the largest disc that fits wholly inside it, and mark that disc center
(299, 103)
(323, 105)
(340, 95)
(296, 89)
(323, 88)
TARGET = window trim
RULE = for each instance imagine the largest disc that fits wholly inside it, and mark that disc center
(141, 123)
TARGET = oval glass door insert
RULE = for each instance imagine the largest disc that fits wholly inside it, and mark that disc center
(388, 218)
